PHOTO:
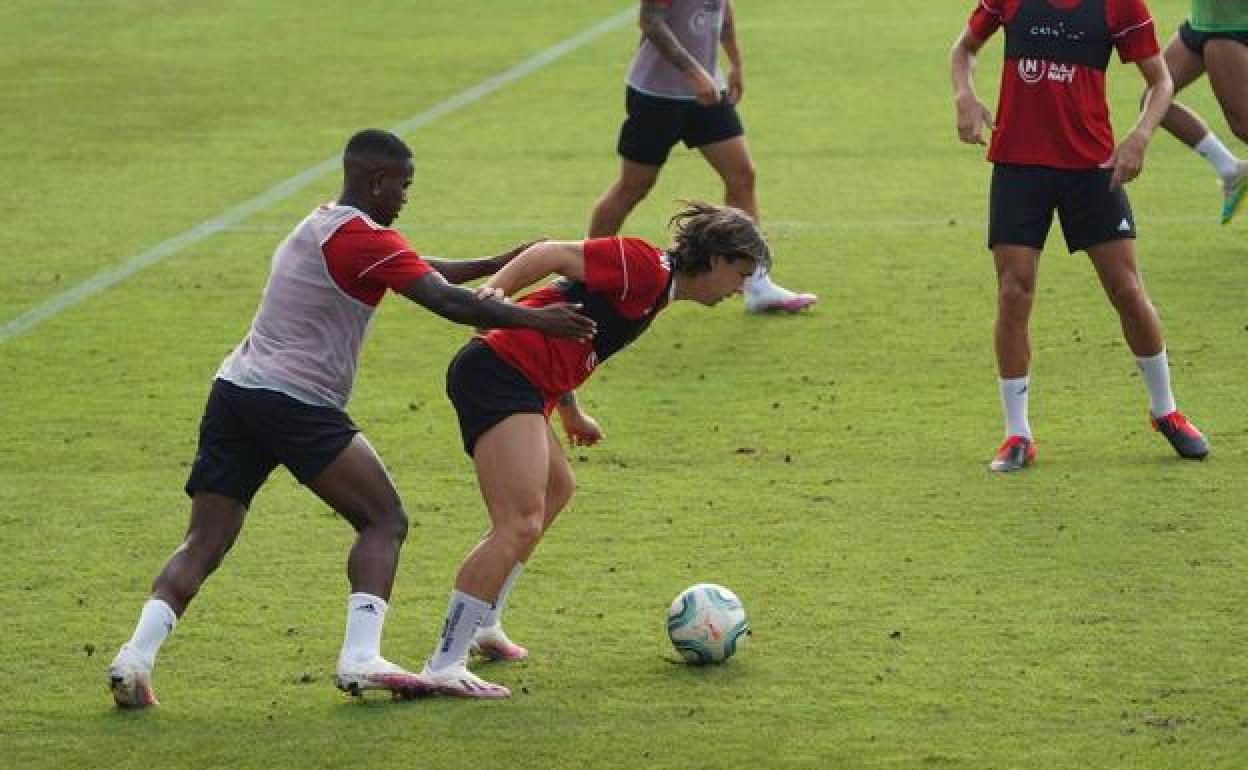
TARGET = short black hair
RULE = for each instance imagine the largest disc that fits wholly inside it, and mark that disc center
(703, 230)
(376, 144)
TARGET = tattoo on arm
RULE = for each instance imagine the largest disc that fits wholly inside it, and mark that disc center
(567, 399)
(654, 25)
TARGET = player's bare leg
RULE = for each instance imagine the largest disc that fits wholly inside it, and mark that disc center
(1017, 268)
(357, 486)
(1116, 267)
(490, 641)
(731, 160)
(633, 184)
(512, 460)
(1226, 62)
(214, 526)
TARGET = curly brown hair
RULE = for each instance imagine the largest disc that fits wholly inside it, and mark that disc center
(702, 230)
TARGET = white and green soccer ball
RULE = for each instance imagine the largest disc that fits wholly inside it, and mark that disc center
(707, 624)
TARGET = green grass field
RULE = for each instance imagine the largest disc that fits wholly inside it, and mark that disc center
(910, 609)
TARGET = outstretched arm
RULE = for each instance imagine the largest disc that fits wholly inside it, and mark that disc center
(656, 29)
(1128, 158)
(464, 270)
(973, 114)
(566, 258)
(468, 307)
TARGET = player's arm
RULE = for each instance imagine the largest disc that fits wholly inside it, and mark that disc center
(728, 39)
(582, 430)
(973, 114)
(566, 258)
(1128, 158)
(464, 270)
(465, 306)
(654, 15)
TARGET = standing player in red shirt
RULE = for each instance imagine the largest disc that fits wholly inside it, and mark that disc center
(505, 384)
(1053, 150)
(280, 398)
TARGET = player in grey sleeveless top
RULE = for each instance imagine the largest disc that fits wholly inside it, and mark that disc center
(676, 93)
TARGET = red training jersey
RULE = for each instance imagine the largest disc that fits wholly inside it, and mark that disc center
(1052, 109)
(627, 282)
(364, 260)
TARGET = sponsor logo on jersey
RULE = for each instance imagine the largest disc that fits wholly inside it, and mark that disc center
(1032, 71)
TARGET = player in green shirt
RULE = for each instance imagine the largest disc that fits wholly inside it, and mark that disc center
(1214, 41)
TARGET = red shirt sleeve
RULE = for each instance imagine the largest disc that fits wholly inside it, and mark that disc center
(365, 261)
(1132, 29)
(986, 18)
(629, 271)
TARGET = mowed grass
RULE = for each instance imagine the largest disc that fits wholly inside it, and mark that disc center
(910, 610)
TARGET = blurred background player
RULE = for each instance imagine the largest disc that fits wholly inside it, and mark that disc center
(280, 396)
(1214, 41)
(506, 383)
(675, 93)
(1053, 149)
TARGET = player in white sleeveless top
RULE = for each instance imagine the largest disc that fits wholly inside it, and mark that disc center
(676, 93)
(279, 398)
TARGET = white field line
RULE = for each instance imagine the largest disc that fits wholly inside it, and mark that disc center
(232, 217)
(569, 229)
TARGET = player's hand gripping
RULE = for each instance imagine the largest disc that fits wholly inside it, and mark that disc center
(973, 115)
(582, 429)
(1127, 160)
(564, 319)
(736, 85)
(705, 89)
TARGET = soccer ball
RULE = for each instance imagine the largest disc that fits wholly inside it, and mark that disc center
(706, 624)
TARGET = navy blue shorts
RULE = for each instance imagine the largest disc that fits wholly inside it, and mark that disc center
(247, 432)
(486, 390)
(1023, 199)
(1195, 40)
(656, 124)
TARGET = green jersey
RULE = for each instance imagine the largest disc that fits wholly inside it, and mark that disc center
(1220, 15)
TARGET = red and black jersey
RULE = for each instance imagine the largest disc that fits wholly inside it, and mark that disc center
(1052, 109)
(627, 282)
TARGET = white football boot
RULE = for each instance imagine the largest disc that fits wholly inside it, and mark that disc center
(459, 682)
(491, 643)
(764, 296)
(130, 679)
(354, 677)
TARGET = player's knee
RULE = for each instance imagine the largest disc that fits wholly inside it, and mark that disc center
(1015, 296)
(524, 531)
(1127, 294)
(393, 523)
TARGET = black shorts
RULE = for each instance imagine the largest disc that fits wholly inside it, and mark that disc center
(1195, 40)
(246, 432)
(1023, 200)
(486, 390)
(656, 124)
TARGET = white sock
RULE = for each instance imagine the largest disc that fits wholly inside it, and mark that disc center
(463, 615)
(493, 614)
(1156, 371)
(1211, 149)
(1014, 394)
(758, 282)
(366, 614)
(156, 621)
